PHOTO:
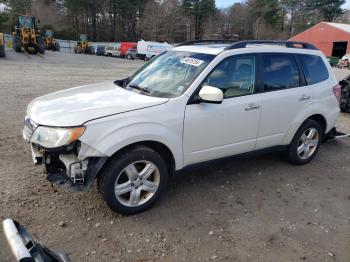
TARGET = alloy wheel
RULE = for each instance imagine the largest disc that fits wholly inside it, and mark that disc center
(308, 143)
(137, 183)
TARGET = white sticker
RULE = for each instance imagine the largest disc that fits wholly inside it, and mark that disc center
(191, 61)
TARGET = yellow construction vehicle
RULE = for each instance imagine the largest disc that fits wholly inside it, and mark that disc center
(50, 41)
(2, 45)
(82, 46)
(26, 36)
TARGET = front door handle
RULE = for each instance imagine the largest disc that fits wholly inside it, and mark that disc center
(304, 97)
(252, 107)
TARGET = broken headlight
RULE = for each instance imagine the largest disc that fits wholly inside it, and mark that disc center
(52, 137)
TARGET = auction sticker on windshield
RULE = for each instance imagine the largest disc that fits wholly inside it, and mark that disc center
(191, 61)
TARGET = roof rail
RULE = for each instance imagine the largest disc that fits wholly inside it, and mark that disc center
(206, 42)
(289, 44)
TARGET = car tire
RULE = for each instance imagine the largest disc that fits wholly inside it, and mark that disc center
(343, 108)
(41, 45)
(17, 43)
(305, 143)
(2, 51)
(57, 47)
(128, 57)
(125, 181)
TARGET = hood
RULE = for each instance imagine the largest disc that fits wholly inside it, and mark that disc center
(75, 106)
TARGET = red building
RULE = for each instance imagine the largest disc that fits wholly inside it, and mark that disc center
(333, 39)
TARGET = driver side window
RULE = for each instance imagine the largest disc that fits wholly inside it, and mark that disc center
(235, 76)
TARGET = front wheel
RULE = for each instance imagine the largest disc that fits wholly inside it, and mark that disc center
(17, 43)
(306, 143)
(132, 181)
(41, 45)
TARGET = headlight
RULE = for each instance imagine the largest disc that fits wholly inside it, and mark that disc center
(51, 137)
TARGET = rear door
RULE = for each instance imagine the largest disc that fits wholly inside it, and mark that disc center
(284, 96)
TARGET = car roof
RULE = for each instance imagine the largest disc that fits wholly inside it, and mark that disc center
(213, 49)
(262, 46)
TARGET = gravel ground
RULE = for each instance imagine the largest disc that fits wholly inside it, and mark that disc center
(247, 209)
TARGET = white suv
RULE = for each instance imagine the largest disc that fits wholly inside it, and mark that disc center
(197, 102)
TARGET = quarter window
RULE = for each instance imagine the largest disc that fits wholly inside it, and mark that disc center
(315, 69)
(235, 76)
(280, 71)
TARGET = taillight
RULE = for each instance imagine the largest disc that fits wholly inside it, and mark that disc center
(337, 91)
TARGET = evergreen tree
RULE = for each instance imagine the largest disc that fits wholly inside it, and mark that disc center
(200, 10)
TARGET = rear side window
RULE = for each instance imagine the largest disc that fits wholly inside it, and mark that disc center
(280, 71)
(314, 69)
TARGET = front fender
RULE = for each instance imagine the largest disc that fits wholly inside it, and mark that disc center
(114, 137)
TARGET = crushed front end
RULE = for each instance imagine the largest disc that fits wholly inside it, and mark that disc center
(74, 165)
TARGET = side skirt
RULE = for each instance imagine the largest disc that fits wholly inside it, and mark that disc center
(223, 160)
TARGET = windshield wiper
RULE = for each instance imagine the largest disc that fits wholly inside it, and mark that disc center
(140, 88)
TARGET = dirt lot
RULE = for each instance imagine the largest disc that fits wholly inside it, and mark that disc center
(253, 209)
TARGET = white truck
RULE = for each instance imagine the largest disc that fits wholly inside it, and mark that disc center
(151, 49)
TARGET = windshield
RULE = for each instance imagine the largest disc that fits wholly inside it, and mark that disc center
(83, 37)
(25, 21)
(169, 74)
(49, 33)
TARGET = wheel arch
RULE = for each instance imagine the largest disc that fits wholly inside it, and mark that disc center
(158, 147)
(321, 119)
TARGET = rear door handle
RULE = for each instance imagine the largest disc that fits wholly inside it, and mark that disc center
(252, 107)
(304, 97)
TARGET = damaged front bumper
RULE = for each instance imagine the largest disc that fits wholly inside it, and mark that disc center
(65, 166)
(74, 166)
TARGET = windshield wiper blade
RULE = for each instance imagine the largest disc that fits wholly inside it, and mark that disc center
(140, 88)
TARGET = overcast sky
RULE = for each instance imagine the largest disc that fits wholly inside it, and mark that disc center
(226, 3)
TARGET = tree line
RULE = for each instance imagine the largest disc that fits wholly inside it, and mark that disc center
(172, 20)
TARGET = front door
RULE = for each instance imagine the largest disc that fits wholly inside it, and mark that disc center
(213, 131)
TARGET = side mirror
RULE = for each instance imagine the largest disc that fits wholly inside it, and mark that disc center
(210, 94)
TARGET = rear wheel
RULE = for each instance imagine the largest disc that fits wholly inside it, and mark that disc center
(16, 43)
(306, 143)
(132, 181)
(2, 51)
(57, 47)
(128, 56)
